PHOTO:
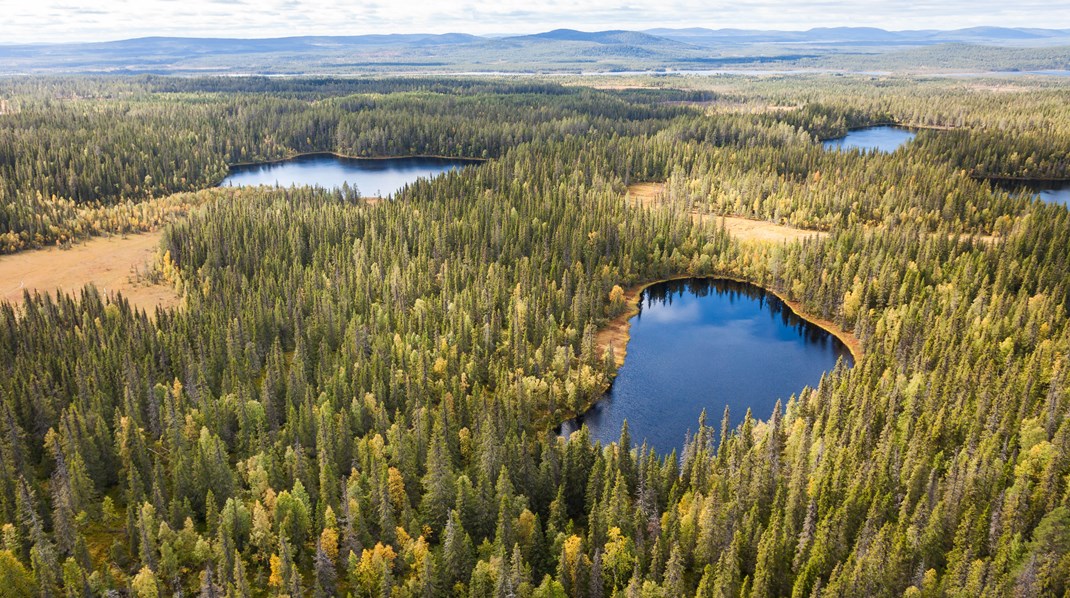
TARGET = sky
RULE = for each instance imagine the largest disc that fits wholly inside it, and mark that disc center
(29, 21)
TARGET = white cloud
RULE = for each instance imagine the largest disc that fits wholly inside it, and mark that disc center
(73, 20)
(662, 313)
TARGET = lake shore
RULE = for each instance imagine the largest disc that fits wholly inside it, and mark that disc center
(892, 123)
(1024, 180)
(616, 332)
(349, 157)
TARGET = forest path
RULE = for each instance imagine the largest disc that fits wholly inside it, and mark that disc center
(109, 263)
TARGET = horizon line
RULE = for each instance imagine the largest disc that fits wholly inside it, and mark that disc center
(525, 34)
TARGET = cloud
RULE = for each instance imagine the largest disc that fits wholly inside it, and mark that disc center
(672, 314)
(64, 20)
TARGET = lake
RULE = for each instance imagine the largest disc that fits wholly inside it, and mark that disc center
(883, 138)
(374, 177)
(1056, 194)
(704, 344)
(1049, 191)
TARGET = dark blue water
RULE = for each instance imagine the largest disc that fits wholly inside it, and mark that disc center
(884, 139)
(374, 178)
(704, 344)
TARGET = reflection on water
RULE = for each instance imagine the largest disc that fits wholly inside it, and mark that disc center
(884, 139)
(1049, 191)
(374, 178)
(704, 344)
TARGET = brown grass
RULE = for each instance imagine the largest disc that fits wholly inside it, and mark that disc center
(651, 195)
(110, 263)
(647, 195)
(746, 229)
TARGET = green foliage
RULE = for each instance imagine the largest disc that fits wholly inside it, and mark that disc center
(18, 581)
(359, 399)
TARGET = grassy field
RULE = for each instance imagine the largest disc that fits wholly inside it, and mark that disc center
(112, 264)
(651, 195)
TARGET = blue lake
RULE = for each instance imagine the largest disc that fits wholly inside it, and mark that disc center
(884, 139)
(1049, 191)
(704, 344)
(373, 177)
(1056, 194)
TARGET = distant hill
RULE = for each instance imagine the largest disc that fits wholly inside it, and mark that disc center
(560, 50)
(616, 37)
(209, 45)
(869, 36)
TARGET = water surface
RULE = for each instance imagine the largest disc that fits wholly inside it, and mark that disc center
(704, 344)
(883, 139)
(1056, 194)
(1049, 191)
(373, 177)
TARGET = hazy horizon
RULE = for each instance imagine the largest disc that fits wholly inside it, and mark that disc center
(51, 21)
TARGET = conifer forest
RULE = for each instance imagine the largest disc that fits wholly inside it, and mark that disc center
(360, 397)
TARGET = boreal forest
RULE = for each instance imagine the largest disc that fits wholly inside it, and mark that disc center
(356, 396)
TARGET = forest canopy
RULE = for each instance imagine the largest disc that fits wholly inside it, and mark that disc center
(360, 399)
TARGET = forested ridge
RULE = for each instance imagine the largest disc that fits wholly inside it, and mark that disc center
(360, 399)
(80, 157)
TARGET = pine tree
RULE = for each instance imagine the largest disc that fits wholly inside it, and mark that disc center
(674, 574)
(209, 589)
(438, 482)
(147, 527)
(289, 576)
(457, 552)
(597, 584)
(324, 570)
(240, 586)
(43, 559)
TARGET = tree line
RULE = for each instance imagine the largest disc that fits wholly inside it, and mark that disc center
(360, 399)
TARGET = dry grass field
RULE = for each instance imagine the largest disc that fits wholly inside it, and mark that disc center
(109, 263)
(650, 195)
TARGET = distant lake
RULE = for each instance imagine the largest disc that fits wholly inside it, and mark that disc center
(373, 177)
(1049, 191)
(703, 344)
(883, 138)
(1056, 194)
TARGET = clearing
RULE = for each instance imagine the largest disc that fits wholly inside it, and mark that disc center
(760, 230)
(110, 263)
(650, 195)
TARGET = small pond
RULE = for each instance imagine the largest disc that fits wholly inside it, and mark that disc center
(373, 177)
(883, 139)
(1049, 191)
(704, 344)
